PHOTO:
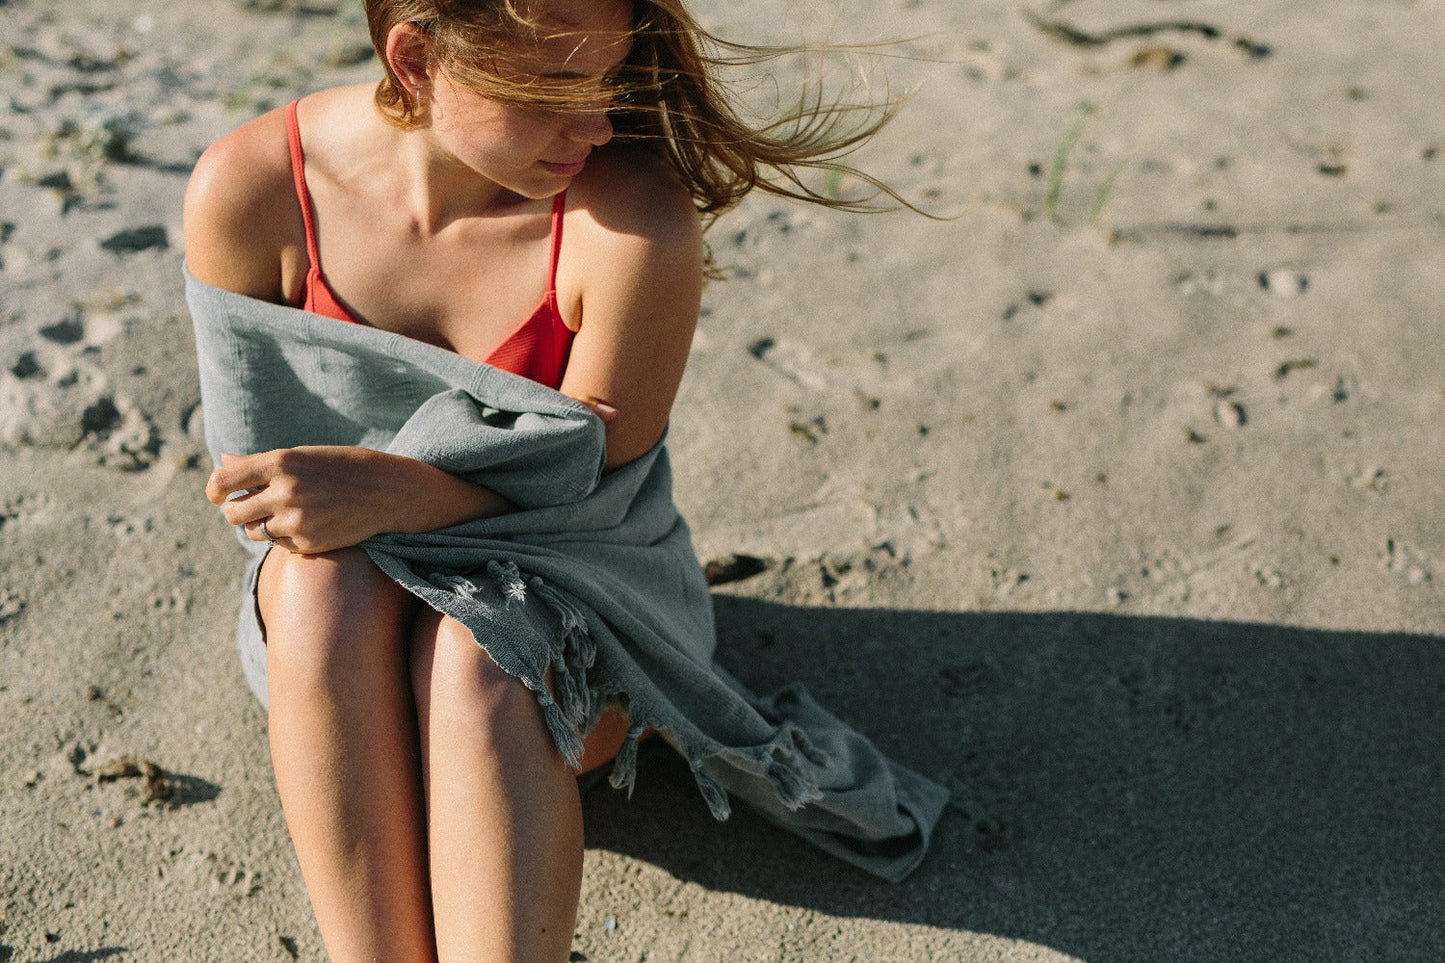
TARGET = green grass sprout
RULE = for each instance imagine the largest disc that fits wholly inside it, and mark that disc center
(1106, 189)
(1054, 186)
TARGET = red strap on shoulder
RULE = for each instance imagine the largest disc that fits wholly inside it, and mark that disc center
(298, 174)
(559, 206)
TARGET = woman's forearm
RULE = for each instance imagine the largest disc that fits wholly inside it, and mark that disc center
(316, 499)
(427, 498)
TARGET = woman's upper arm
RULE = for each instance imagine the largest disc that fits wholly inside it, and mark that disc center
(640, 272)
(236, 215)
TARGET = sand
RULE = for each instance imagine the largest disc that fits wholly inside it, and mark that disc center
(1112, 501)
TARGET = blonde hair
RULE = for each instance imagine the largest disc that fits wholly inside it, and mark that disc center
(667, 97)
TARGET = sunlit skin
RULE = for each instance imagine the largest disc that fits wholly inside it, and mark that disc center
(432, 816)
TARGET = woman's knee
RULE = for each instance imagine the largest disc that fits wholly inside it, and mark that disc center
(323, 612)
(458, 684)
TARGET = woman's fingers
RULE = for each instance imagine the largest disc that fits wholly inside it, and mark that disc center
(245, 507)
(324, 496)
(240, 473)
(235, 474)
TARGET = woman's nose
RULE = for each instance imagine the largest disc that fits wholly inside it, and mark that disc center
(590, 127)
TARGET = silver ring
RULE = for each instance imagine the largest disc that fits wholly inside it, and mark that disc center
(266, 534)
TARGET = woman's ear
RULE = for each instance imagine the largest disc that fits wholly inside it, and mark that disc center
(407, 53)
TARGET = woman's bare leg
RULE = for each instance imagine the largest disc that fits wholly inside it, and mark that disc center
(504, 822)
(344, 748)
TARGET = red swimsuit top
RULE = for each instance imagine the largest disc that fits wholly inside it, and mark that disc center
(536, 349)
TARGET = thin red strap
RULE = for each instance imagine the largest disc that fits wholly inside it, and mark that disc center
(298, 173)
(559, 206)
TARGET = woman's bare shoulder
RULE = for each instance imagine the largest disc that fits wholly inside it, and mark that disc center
(630, 192)
(241, 213)
(637, 233)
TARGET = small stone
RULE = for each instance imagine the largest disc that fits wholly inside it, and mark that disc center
(1230, 414)
(1284, 282)
(157, 787)
(1158, 57)
(733, 568)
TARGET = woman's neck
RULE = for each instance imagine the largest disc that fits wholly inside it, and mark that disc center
(438, 189)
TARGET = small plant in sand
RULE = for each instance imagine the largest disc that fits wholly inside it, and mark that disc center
(100, 136)
(283, 71)
(1063, 159)
(279, 71)
(77, 152)
(108, 136)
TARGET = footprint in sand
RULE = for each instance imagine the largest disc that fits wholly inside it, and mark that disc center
(853, 371)
(11, 605)
(44, 407)
(1190, 284)
(1369, 478)
(69, 406)
(1414, 566)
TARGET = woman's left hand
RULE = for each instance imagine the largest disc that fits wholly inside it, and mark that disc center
(321, 498)
(311, 500)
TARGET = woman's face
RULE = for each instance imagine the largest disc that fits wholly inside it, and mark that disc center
(529, 151)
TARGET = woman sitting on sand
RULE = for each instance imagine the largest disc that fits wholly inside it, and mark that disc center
(523, 189)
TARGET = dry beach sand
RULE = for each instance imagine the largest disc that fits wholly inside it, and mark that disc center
(1113, 503)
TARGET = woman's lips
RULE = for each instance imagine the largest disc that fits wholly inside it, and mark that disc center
(564, 168)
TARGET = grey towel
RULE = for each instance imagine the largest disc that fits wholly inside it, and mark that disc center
(593, 577)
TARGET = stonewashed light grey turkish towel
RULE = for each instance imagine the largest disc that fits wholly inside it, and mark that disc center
(594, 575)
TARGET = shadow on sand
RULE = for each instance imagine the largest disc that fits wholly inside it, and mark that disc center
(1124, 789)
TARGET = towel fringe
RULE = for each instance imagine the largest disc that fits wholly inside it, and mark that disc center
(804, 746)
(573, 652)
(712, 792)
(514, 589)
(787, 760)
(624, 767)
(794, 789)
(564, 733)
